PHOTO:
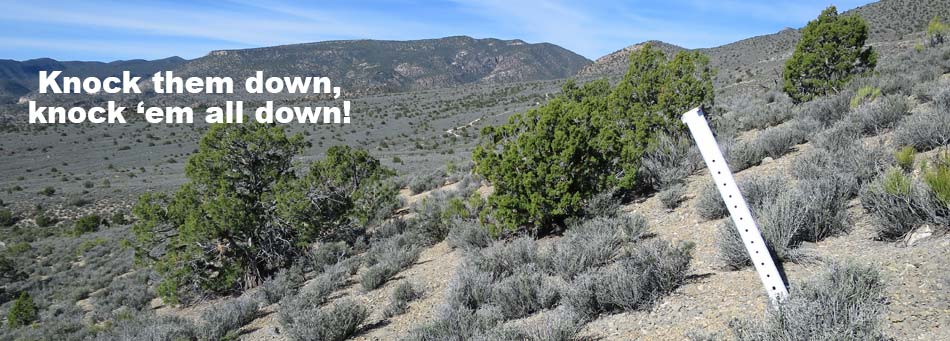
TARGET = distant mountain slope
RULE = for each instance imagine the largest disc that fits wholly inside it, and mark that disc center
(763, 56)
(18, 78)
(891, 19)
(379, 65)
(616, 62)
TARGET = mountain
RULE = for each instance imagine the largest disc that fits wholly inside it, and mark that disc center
(381, 65)
(18, 78)
(763, 56)
(616, 62)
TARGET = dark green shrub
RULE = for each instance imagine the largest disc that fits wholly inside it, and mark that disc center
(830, 37)
(7, 218)
(544, 164)
(937, 177)
(118, 219)
(42, 220)
(936, 32)
(905, 158)
(22, 312)
(86, 224)
(245, 199)
(48, 191)
(337, 196)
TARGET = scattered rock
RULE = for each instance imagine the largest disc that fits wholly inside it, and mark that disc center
(921, 233)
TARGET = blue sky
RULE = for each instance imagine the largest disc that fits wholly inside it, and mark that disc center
(111, 30)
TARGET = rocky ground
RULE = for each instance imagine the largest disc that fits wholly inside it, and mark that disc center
(917, 273)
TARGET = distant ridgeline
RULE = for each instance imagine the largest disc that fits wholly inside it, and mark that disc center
(360, 66)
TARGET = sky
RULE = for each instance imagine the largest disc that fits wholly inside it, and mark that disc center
(116, 30)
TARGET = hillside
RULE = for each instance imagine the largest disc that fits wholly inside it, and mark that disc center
(379, 65)
(761, 57)
(615, 63)
(358, 66)
(851, 191)
(18, 78)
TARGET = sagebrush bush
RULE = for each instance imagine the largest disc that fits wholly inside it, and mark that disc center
(325, 254)
(779, 140)
(741, 155)
(284, 284)
(151, 327)
(382, 272)
(671, 160)
(525, 292)
(756, 190)
(847, 301)
(387, 257)
(878, 116)
(672, 196)
(771, 115)
(604, 204)
(403, 293)
(222, 321)
(853, 163)
(558, 325)
(653, 269)
(468, 235)
(709, 204)
(470, 287)
(426, 181)
(335, 322)
(898, 206)
(826, 109)
(813, 210)
(503, 258)
(318, 291)
(924, 130)
(593, 243)
(457, 323)
(130, 291)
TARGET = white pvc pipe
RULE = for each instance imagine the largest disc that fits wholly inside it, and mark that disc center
(749, 232)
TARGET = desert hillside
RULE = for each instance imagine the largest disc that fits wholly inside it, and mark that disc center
(497, 190)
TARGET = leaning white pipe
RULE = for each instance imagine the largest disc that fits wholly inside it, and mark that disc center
(749, 232)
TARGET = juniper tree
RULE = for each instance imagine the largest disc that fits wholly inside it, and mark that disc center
(544, 163)
(831, 51)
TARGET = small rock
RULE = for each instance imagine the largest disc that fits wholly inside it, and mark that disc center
(767, 160)
(921, 233)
